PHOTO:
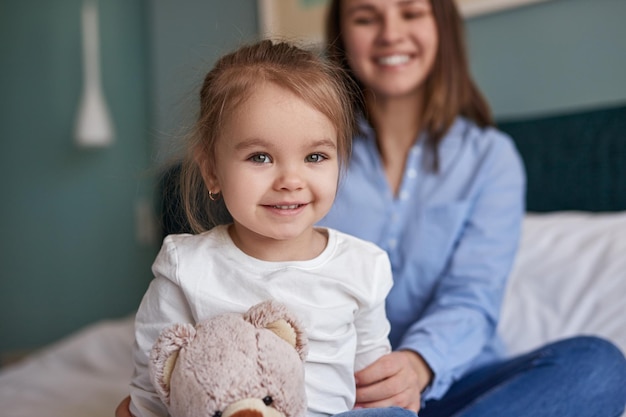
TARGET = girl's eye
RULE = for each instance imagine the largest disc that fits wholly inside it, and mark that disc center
(260, 158)
(315, 157)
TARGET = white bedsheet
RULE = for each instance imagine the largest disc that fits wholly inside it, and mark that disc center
(569, 278)
(84, 375)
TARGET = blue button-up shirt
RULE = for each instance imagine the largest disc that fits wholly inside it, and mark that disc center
(451, 236)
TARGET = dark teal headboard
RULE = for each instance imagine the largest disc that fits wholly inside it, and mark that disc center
(574, 161)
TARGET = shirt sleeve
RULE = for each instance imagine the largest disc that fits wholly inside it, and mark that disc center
(462, 316)
(371, 322)
(163, 305)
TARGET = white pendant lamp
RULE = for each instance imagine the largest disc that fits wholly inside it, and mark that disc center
(94, 127)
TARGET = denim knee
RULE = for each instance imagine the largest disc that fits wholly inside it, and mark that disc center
(594, 352)
(599, 366)
(377, 412)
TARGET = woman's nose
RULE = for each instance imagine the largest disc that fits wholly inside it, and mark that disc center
(391, 29)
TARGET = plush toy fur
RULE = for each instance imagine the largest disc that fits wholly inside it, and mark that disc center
(233, 365)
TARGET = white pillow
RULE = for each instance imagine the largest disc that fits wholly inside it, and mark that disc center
(569, 278)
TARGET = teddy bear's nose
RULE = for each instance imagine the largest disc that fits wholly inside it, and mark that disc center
(251, 407)
(248, 413)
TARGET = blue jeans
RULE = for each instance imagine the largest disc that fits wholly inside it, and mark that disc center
(377, 412)
(582, 377)
(578, 377)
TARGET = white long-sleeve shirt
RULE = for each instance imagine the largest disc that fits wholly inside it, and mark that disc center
(339, 297)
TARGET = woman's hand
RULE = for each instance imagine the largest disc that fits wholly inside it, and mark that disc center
(396, 379)
(122, 409)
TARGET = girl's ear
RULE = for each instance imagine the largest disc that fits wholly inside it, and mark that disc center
(207, 171)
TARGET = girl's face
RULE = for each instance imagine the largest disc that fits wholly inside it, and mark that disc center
(276, 166)
(390, 45)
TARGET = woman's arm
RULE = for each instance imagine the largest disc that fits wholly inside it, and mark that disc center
(462, 314)
(471, 228)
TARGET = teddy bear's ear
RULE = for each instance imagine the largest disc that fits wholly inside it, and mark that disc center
(276, 317)
(164, 354)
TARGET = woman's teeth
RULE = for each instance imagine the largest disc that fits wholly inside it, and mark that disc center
(393, 60)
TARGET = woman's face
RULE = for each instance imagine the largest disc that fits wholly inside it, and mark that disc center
(390, 45)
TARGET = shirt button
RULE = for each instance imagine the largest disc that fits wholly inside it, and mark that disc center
(393, 243)
(412, 173)
(404, 195)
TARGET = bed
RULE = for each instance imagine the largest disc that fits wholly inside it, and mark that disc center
(569, 276)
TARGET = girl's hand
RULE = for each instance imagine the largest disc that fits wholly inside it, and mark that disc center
(122, 409)
(396, 379)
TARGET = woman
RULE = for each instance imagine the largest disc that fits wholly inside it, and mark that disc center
(438, 188)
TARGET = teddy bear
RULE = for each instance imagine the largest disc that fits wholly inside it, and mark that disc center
(233, 365)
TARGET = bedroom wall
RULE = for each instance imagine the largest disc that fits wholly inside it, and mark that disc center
(185, 42)
(68, 248)
(551, 57)
(68, 251)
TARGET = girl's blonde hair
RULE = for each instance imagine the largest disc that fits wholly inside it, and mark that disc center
(232, 80)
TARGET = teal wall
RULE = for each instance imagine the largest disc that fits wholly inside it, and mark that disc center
(68, 252)
(551, 57)
(185, 42)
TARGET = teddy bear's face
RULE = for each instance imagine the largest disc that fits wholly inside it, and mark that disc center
(231, 367)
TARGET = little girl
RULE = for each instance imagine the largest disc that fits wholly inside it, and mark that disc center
(273, 133)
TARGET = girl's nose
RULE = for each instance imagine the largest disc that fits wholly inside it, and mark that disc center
(289, 178)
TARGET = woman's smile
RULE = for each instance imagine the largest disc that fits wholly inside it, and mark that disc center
(393, 60)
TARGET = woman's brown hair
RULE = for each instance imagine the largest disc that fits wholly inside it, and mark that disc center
(449, 89)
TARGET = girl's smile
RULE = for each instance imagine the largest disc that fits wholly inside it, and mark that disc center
(286, 209)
